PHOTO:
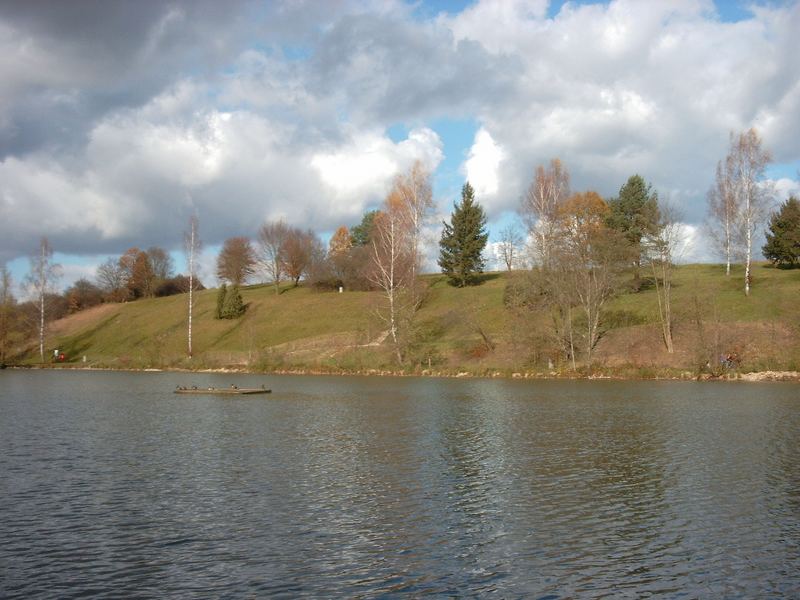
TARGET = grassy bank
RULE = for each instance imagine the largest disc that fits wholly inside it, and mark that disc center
(455, 331)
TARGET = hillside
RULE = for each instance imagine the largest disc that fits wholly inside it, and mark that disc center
(455, 330)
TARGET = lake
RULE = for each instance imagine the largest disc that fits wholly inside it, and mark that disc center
(110, 484)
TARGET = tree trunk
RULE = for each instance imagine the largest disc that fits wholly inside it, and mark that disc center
(41, 324)
(191, 286)
(749, 253)
(42, 287)
(727, 248)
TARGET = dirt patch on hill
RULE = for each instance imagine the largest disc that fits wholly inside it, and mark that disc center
(91, 316)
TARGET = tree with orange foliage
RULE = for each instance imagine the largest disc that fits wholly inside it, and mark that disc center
(298, 253)
(391, 269)
(340, 241)
(587, 255)
(137, 272)
(339, 249)
(236, 261)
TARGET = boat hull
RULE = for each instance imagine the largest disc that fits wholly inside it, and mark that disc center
(223, 391)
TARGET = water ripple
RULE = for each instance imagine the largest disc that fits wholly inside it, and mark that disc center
(369, 488)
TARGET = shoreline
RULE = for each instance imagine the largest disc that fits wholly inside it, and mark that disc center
(751, 377)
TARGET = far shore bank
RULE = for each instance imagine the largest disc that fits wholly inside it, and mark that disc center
(609, 375)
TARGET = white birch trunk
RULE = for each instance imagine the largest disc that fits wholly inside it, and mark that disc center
(42, 286)
(191, 285)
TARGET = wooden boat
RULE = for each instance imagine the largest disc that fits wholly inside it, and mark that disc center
(229, 391)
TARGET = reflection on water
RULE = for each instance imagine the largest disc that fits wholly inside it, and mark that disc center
(361, 487)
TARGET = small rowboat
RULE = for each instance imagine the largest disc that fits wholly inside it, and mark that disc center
(230, 391)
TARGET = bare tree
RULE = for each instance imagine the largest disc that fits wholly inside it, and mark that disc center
(192, 246)
(741, 199)
(111, 280)
(298, 252)
(510, 243)
(236, 261)
(391, 263)
(161, 263)
(540, 206)
(42, 278)
(661, 249)
(722, 209)
(413, 191)
(271, 239)
(747, 162)
(6, 306)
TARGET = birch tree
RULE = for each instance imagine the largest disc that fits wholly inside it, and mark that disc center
(392, 269)
(413, 190)
(540, 206)
(42, 279)
(192, 246)
(722, 211)
(748, 162)
(741, 199)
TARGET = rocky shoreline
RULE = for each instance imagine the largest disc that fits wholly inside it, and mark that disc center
(758, 376)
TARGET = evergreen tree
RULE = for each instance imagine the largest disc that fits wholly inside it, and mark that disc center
(223, 291)
(463, 240)
(233, 308)
(359, 234)
(635, 214)
(783, 237)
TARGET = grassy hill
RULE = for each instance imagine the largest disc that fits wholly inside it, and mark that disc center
(455, 330)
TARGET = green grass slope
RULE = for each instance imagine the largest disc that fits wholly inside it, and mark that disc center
(455, 330)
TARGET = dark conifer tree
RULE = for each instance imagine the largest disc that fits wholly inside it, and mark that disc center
(463, 240)
(223, 291)
(359, 234)
(635, 214)
(234, 305)
(783, 237)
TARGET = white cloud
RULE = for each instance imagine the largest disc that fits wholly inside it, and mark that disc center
(106, 128)
(785, 187)
(362, 170)
(140, 167)
(482, 166)
(630, 87)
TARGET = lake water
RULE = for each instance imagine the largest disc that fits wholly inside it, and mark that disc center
(110, 484)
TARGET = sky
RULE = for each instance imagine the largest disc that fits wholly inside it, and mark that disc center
(121, 120)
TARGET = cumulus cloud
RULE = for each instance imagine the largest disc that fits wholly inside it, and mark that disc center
(364, 167)
(114, 129)
(631, 87)
(785, 187)
(482, 167)
(144, 172)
